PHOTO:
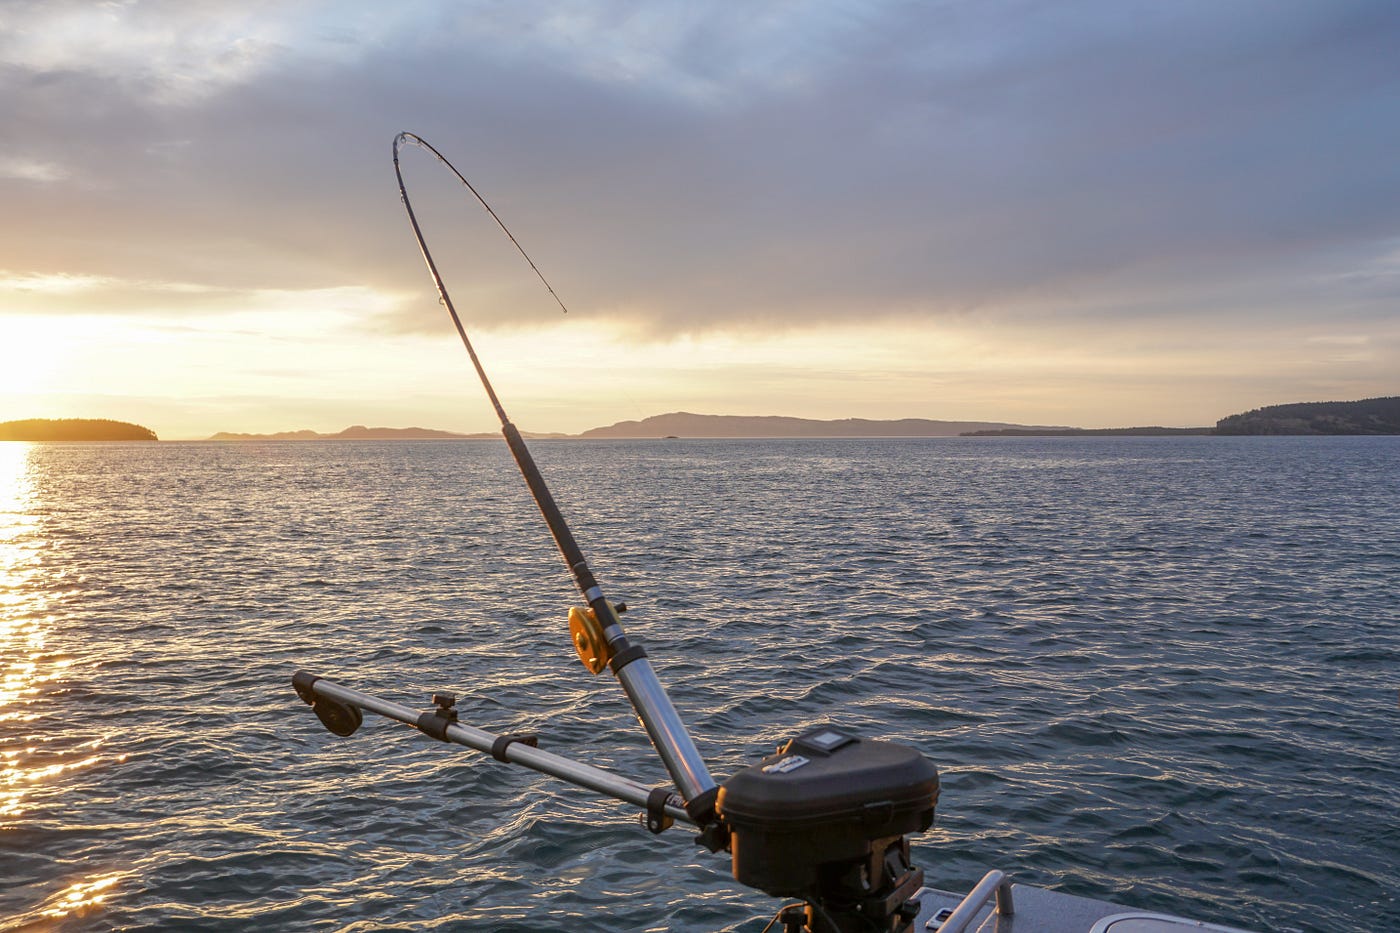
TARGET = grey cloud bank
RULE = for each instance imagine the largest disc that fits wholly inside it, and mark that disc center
(692, 167)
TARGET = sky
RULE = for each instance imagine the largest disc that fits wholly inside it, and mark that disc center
(1099, 213)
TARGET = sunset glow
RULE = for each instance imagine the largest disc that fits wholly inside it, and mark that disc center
(1039, 219)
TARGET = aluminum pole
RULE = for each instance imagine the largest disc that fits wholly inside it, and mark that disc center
(575, 772)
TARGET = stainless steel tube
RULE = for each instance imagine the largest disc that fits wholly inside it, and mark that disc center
(663, 724)
(595, 779)
(993, 883)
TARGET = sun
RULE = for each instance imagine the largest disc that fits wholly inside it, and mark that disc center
(32, 354)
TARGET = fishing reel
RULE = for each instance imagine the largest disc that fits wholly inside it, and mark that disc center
(827, 820)
(586, 633)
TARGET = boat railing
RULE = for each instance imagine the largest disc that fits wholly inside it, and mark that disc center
(993, 884)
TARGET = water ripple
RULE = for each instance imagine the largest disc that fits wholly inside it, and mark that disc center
(1155, 670)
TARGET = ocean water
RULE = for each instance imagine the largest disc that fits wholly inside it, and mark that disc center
(1162, 671)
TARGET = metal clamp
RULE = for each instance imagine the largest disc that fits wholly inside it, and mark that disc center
(657, 819)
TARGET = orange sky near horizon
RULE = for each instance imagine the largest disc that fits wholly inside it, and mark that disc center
(311, 375)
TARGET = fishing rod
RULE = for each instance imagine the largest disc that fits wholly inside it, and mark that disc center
(827, 818)
(597, 631)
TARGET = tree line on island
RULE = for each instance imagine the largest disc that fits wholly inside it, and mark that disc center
(74, 429)
(1367, 416)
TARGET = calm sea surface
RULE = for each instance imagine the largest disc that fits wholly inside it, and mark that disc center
(1162, 671)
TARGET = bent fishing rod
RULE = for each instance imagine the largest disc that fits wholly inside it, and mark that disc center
(826, 819)
(597, 632)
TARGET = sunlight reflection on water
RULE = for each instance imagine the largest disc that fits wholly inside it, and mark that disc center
(21, 636)
(26, 662)
(34, 760)
(72, 902)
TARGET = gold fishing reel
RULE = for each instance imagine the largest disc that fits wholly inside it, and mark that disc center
(586, 632)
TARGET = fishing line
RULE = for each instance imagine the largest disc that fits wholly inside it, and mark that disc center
(446, 300)
(424, 144)
(432, 266)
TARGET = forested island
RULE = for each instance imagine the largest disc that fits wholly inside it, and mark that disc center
(1368, 416)
(73, 429)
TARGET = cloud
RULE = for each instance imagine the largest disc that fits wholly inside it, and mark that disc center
(165, 51)
(23, 168)
(24, 294)
(689, 167)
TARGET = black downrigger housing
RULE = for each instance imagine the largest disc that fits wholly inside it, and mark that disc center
(827, 820)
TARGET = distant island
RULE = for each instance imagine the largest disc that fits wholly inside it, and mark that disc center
(356, 432)
(1368, 416)
(1090, 432)
(359, 432)
(685, 424)
(671, 426)
(73, 429)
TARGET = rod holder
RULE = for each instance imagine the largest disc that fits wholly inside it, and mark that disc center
(514, 749)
